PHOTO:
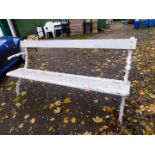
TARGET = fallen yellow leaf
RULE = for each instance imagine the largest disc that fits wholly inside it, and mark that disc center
(67, 110)
(141, 109)
(106, 98)
(67, 100)
(107, 109)
(82, 122)
(152, 95)
(9, 88)
(50, 128)
(148, 130)
(14, 114)
(20, 125)
(52, 119)
(151, 108)
(55, 104)
(141, 93)
(1, 89)
(103, 128)
(52, 105)
(96, 101)
(32, 121)
(3, 104)
(26, 116)
(87, 133)
(18, 105)
(11, 83)
(135, 82)
(23, 93)
(57, 110)
(73, 120)
(97, 119)
(66, 120)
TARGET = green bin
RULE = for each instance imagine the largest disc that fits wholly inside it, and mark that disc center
(101, 24)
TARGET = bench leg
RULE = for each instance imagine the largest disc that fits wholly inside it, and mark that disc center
(18, 87)
(20, 80)
(121, 110)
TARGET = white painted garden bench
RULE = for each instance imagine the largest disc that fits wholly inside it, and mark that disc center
(108, 86)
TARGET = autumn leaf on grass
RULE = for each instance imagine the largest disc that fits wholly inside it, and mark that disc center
(66, 120)
(33, 120)
(26, 116)
(135, 82)
(152, 95)
(57, 110)
(67, 110)
(1, 89)
(23, 93)
(52, 119)
(87, 133)
(151, 108)
(97, 119)
(96, 101)
(52, 105)
(55, 104)
(103, 128)
(106, 99)
(73, 120)
(50, 129)
(20, 125)
(3, 104)
(148, 130)
(107, 109)
(82, 122)
(11, 130)
(141, 109)
(67, 100)
(9, 88)
(14, 114)
(141, 93)
(11, 83)
(18, 105)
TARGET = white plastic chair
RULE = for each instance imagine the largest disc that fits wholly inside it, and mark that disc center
(58, 26)
(49, 27)
(40, 32)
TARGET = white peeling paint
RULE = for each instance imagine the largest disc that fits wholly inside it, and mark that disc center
(109, 86)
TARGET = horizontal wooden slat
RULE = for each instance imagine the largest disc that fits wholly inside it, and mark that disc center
(89, 43)
(109, 86)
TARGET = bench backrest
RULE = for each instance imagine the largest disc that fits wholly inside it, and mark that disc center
(89, 43)
(127, 44)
